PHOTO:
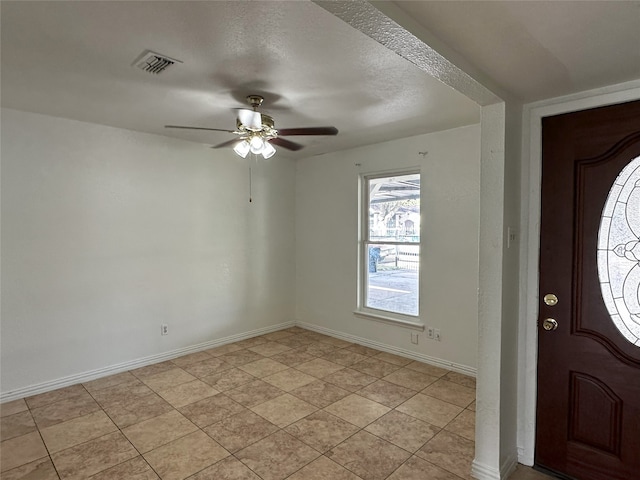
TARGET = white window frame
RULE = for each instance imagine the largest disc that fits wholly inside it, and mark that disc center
(385, 316)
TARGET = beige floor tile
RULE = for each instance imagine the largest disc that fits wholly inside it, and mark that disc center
(427, 369)
(269, 349)
(463, 425)
(247, 343)
(451, 392)
(289, 379)
(368, 456)
(386, 393)
(375, 367)
(254, 393)
(228, 380)
(211, 410)
(186, 393)
(263, 367)
(157, 431)
(450, 452)
(149, 370)
(295, 341)
(403, 430)
(212, 366)
(344, 357)
(55, 396)
(319, 367)
(430, 410)
(41, 469)
(417, 469)
(121, 393)
(224, 349)
(323, 469)
(395, 359)
(16, 425)
(79, 430)
(410, 379)
(13, 407)
(135, 469)
(192, 358)
(357, 410)
(241, 357)
(315, 335)
(89, 458)
(137, 409)
(292, 358)
(322, 431)
(21, 450)
(279, 335)
(110, 381)
(464, 380)
(472, 406)
(349, 379)
(185, 456)
(317, 349)
(320, 393)
(169, 378)
(284, 410)
(277, 456)
(64, 410)
(227, 469)
(336, 342)
(362, 350)
(296, 329)
(239, 431)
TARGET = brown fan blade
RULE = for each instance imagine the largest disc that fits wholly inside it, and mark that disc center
(308, 131)
(228, 143)
(288, 144)
(198, 128)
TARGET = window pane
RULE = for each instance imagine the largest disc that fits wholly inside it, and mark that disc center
(392, 278)
(394, 208)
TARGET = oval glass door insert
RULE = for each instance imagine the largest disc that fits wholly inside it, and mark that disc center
(619, 252)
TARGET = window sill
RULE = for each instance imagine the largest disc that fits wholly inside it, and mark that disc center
(390, 320)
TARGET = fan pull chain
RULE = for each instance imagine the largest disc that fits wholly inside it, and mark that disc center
(250, 200)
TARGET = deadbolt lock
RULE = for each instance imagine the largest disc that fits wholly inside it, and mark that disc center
(549, 324)
(550, 299)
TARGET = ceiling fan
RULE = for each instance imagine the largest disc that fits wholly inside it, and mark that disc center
(257, 134)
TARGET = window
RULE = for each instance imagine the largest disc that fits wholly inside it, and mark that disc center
(390, 245)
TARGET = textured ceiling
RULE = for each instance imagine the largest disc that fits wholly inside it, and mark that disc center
(539, 49)
(73, 60)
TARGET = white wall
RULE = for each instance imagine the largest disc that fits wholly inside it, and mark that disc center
(327, 233)
(107, 233)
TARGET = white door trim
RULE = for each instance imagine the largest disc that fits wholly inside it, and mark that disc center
(530, 245)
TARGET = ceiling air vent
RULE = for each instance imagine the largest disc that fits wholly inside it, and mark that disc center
(153, 62)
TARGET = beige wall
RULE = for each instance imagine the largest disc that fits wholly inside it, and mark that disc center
(107, 233)
(327, 241)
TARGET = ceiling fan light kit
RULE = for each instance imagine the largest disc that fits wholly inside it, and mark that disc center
(257, 132)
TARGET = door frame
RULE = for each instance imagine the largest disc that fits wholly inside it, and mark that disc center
(531, 184)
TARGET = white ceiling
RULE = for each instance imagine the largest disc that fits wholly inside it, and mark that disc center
(539, 49)
(73, 60)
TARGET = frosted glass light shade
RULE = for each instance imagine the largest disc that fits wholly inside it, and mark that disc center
(257, 144)
(268, 151)
(242, 148)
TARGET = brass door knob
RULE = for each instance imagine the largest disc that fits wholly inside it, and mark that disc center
(549, 324)
(550, 299)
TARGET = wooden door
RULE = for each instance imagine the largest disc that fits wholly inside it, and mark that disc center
(588, 405)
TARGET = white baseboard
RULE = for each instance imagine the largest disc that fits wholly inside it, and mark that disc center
(391, 349)
(485, 472)
(130, 365)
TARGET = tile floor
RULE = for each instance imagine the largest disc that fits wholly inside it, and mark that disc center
(291, 404)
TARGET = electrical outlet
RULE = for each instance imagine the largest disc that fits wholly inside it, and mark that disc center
(436, 335)
(164, 329)
(414, 338)
(430, 332)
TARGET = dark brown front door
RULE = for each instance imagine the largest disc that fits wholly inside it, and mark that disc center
(588, 405)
